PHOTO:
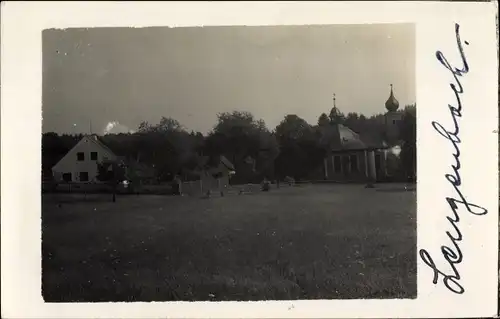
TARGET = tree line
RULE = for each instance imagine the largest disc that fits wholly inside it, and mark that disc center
(293, 148)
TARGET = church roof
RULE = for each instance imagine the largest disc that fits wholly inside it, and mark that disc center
(392, 104)
(374, 140)
(338, 137)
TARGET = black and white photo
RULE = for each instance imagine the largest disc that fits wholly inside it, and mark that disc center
(249, 159)
(229, 163)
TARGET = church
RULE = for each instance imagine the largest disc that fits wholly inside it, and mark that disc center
(354, 157)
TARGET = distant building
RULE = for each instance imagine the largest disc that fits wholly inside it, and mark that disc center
(79, 165)
(360, 157)
(214, 173)
(352, 157)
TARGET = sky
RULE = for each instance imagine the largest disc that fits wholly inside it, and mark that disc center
(103, 80)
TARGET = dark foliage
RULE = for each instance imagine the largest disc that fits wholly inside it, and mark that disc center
(291, 149)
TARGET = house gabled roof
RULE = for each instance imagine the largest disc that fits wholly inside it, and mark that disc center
(94, 138)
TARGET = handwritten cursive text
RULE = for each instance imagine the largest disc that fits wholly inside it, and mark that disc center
(452, 253)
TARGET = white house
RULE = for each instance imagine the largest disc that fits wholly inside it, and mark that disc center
(79, 165)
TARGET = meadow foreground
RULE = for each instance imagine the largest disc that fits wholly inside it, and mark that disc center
(307, 242)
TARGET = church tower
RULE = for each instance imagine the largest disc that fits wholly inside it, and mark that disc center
(392, 118)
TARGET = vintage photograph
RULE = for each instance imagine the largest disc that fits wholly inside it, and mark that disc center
(229, 163)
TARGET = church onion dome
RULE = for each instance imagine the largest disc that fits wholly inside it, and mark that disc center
(392, 104)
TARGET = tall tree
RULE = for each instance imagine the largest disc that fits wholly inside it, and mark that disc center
(168, 146)
(170, 125)
(238, 135)
(144, 127)
(352, 121)
(292, 127)
(408, 135)
(323, 119)
(300, 149)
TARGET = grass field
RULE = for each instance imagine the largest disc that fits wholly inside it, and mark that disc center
(308, 242)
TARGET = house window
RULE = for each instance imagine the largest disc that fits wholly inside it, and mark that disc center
(393, 121)
(354, 163)
(93, 156)
(67, 177)
(84, 176)
(337, 165)
(80, 156)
